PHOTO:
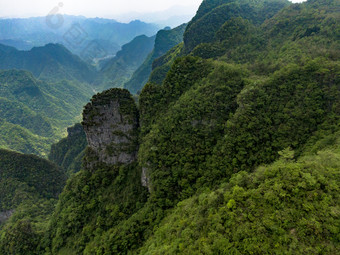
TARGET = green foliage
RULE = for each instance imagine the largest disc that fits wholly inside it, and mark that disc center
(182, 138)
(165, 40)
(27, 173)
(51, 62)
(298, 33)
(24, 231)
(19, 239)
(213, 14)
(20, 139)
(68, 152)
(281, 112)
(240, 148)
(162, 65)
(183, 74)
(34, 114)
(29, 186)
(284, 208)
(120, 69)
(92, 204)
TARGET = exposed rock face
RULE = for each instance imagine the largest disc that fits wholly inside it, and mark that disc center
(75, 130)
(110, 122)
(145, 179)
(4, 216)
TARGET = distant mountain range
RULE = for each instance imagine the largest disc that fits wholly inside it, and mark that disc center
(165, 40)
(50, 62)
(173, 17)
(119, 69)
(44, 89)
(35, 113)
(77, 33)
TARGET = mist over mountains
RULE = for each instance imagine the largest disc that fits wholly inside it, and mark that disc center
(77, 33)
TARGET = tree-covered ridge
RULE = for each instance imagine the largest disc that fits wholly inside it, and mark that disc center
(120, 69)
(162, 65)
(165, 40)
(238, 146)
(290, 207)
(296, 34)
(69, 152)
(211, 124)
(213, 14)
(35, 113)
(51, 62)
(247, 129)
(29, 188)
(29, 172)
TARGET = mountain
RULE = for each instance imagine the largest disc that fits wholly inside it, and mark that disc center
(18, 44)
(235, 151)
(100, 36)
(50, 62)
(172, 17)
(120, 68)
(69, 152)
(165, 40)
(212, 15)
(35, 113)
(257, 212)
(29, 188)
(29, 173)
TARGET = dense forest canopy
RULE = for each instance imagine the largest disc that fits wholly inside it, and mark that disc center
(232, 147)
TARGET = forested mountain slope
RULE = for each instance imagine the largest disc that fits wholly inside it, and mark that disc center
(51, 62)
(35, 113)
(69, 152)
(165, 40)
(33, 173)
(234, 151)
(120, 69)
(29, 189)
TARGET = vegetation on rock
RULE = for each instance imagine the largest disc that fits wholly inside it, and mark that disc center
(238, 145)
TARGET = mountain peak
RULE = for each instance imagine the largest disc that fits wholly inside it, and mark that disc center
(110, 122)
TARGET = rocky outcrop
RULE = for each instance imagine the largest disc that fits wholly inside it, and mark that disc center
(146, 179)
(110, 122)
(4, 216)
(76, 130)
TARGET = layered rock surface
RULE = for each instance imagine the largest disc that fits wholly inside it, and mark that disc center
(110, 122)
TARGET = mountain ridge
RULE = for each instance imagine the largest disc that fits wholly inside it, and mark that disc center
(234, 150)
(52, 62)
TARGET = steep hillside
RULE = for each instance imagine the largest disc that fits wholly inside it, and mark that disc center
(29, 188)
(111, 173)
(165, 40)
(29, 172)
(51, 62)
(34, 114)
(212, 15)
(289, 206)
(120, 69)
(69, 152)
(226, 123)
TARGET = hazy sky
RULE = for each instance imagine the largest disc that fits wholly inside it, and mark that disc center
(90, 8)
(93, 8)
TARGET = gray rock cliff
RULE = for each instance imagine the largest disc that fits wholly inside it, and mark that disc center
(110, 122)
